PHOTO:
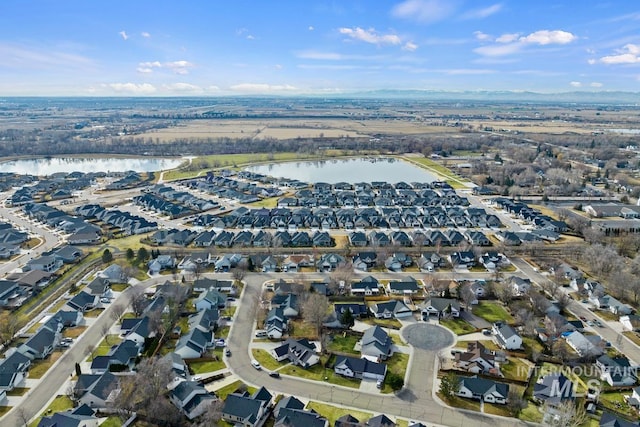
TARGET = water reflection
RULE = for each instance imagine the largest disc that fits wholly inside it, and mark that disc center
(349, 170)
(49, 166)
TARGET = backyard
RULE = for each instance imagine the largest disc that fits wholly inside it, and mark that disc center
(343, 344)
(492, 312)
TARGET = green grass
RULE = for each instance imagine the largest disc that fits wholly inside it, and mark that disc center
(531, 414)
(607, 315)
(74, 332)
(632, 336)
(4, 410)
(492, 312)
(318, 373)
(223, 392)
(385, 323)
(442, 172)
(223, 332)
(112, 422)
(458, 326)
(40, 367)
(332, 413)
(271, 202)
(532, 344)
(206, 366)
(490, 345)
(615, 402)
(59, 404)
(18, 391)
(495, 409)
(459, 402)
(105, 345)
(96, 312)
(302, 329)
(119, 287)
(517, 369)
(229, 311)
(266, 360)
(344, 344)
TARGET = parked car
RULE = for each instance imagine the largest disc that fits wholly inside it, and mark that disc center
(598, 323)
(261, 334)
(274, 374)
(486, 331)
(256, 364)
(220, 343)
(105, 300)
(379, 384)
(227, 352)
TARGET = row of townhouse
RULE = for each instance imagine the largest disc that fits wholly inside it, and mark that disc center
(126, 222)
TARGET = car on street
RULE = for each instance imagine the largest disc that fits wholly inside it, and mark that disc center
(584, 319)
(274, 374)
(256, 364)
(590, 323)
(227, 352)
(598, 323)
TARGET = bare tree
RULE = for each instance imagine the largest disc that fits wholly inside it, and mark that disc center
(212, 415)
(503, 290)
(105, 332)
(9, 326)
(565, 414)
(117, 310)
(562, 300)
(138, 301)
(515, 402)
(240, 270)
(315, 309)
(466, 295)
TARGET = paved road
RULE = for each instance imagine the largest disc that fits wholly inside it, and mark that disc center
(607, 332)
(49, 386)
(414, 402)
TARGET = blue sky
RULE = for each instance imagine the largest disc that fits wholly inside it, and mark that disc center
(290, 47)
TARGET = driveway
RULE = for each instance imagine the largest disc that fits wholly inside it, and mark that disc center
(476, 321)
(415, 401)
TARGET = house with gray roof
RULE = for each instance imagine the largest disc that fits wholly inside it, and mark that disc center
(506, 337)
(113, 274)
(483, 389)
(81, 416)
(13, 369)
(392, 309)
(300, 352)
(97, 390)
(41, 344)
(368, 286)
(553, 388)
(210, 299)
(244, 409)
(300, 418)
(288, 402)
(194, 344)
(191, 398)
(441, 307)
(83, 301)
(376, 344)
(354, 367)
(406, 286)
(616, 371)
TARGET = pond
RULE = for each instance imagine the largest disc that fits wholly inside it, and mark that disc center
(50, 165)
(347, 170)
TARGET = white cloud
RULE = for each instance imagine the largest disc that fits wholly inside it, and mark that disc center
(410, 46)
(483, 37)
(498, 49)
(508, 38)
(145, 34)
(123, 34)
(311, 28)
(40, 57)
(544, 37)
(278, 66)
(576, 84)
(425, 11)
(182, 87)
(178, 67)
(629, 54)
(261, 88)
(213, 88)
(511, 43)
(591, 61)
(370, 36)
(468, 71)
(482, 13)
(133, 88)
(332, 56)
(595, 84)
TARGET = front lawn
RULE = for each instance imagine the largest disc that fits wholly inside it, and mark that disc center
(495, 409)
(119, 287)
(398, 363)
(266, 360)
(318, 373)
(94, 313)
(332, 413)
(74, 332)
(632, 336)
(458, 326)
(59, 404)
(492, 312)
(385, 323)
(459, 402)
(40, 367)
(4, 410)
(229, 311)
(223, 332)
(344, 344)
(18, 391)
(105, 345)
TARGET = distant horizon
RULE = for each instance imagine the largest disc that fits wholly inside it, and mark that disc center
(316, 47)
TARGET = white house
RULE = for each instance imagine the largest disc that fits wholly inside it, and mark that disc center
(506, 337)
(483, 389)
